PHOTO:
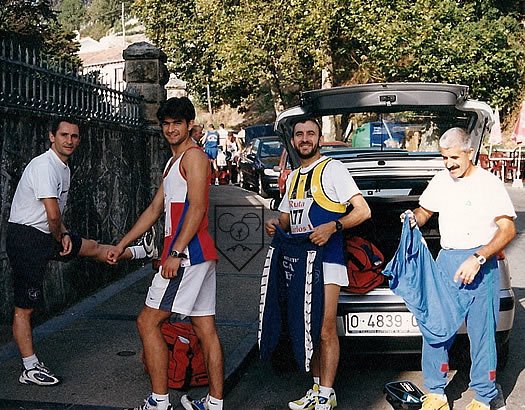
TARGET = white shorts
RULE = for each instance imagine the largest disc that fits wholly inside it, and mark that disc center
(335, 274)
(191, 293)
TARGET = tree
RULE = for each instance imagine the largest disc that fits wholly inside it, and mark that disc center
(248, 48)
(457, 42)
(38, 23)
(71, 14)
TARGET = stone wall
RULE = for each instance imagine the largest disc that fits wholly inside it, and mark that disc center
(114, 172)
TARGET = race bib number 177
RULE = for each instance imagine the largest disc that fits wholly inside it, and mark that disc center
(300, 215)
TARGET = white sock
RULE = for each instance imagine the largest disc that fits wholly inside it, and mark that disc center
(163, 400)
(137, 252)
(317, 380)
(214, 404)
(325, 391)
(30, 361)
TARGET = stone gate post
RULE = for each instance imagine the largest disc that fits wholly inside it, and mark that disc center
(146, 74)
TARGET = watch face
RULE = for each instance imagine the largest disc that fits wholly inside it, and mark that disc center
(481, 259)
(338, 225)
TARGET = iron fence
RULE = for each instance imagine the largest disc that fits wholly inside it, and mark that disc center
(32, 80)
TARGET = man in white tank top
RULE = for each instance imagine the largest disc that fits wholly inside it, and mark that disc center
(185, 283)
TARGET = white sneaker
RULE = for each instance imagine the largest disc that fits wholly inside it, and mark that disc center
(147, 241)
(194, 404)
(323, 403)
(150, 404)
(39, 375)
(307, 402)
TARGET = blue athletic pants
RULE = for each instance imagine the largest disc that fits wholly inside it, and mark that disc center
(481, 321)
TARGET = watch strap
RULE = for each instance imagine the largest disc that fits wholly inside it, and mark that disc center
(176, 254)
(481, 259)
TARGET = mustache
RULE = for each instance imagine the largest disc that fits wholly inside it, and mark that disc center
(452, 168)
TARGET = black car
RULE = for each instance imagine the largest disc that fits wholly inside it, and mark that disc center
(256, 165)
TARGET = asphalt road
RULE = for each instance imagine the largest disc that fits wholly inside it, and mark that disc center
(360, 379)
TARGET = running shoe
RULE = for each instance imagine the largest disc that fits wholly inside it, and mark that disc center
(323, 403)
(194, 404)
(149, 404)
(434, 401)
(148, 242)
(307, 402)
(39, 375)
(477, 405)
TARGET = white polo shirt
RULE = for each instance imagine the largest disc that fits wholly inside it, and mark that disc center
(467, 207)
(46, 176)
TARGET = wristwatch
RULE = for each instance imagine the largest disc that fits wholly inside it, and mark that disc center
(338, 225)
(481, 259)
(177, 254)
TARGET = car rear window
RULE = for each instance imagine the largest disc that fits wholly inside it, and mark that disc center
(411, 131)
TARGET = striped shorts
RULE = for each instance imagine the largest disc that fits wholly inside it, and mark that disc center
(191, 293)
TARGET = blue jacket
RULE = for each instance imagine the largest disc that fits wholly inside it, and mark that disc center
(427, 290)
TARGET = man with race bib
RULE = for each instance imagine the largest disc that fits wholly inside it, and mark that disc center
(318, 194)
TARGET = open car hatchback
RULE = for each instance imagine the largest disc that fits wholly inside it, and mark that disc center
(392, 132)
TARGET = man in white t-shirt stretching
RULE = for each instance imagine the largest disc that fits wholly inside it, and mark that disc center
(36, 234)
(476, 221)
(316, 200)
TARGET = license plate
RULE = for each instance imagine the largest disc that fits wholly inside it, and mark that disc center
(378, 324)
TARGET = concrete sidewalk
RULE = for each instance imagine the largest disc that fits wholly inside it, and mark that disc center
(95, 346)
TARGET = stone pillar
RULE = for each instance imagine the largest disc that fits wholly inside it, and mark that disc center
(146, 74)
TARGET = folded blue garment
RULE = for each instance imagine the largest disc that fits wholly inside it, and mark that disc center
(428, 290)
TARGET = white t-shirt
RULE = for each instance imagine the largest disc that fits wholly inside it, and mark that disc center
(223, 134)
(467, 207)
(337, 182)
(46, 176)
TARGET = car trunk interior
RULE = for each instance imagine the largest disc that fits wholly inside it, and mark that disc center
(384, 227)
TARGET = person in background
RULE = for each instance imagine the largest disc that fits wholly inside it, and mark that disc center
(476, 222)
(233, 150)
(196, 133)
(223, 134)
(210, 142)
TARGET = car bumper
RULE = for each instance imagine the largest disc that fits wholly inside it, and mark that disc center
(270, 184)
(383, 301)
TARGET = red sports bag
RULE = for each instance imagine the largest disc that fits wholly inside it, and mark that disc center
(364, 265)
(186, 366)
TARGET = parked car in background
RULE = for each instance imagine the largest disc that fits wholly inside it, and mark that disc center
(284, 168)
(394, 129)
(256, 165)
(258, 130)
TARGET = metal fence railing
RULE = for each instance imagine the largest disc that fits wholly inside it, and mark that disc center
(32, 80)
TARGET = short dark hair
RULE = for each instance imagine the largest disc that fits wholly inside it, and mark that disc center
(177, 108)
(303, 120)
(54, 123)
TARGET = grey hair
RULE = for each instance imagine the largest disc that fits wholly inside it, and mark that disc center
(456, 137)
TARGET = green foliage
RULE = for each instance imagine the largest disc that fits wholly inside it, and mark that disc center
(71, 14)
(246, 48)
(38, 23)
(452, 42)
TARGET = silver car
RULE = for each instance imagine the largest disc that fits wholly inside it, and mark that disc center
(392, 132)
